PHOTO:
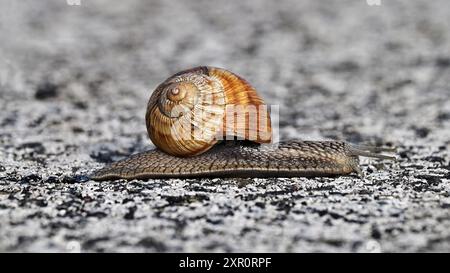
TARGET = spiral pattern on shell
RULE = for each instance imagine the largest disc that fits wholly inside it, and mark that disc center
(194, 109)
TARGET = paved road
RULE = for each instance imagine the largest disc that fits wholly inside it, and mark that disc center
(74, 82)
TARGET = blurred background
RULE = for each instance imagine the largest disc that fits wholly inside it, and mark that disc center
(75, 80)
(321, 61)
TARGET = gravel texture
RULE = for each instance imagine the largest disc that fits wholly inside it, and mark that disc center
(75, 80)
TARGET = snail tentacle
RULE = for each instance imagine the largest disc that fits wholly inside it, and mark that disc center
(370, 151)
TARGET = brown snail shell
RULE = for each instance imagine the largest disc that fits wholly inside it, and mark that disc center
(194, 109)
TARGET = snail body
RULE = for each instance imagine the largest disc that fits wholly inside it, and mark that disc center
(189, 114)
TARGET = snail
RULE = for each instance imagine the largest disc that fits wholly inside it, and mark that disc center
(189, 120)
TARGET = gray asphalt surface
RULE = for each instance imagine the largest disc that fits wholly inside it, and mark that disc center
(75, 80)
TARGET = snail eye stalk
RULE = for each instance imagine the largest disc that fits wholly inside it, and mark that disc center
(371, 151)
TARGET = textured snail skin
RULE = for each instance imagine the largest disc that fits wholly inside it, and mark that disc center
(244, 159)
